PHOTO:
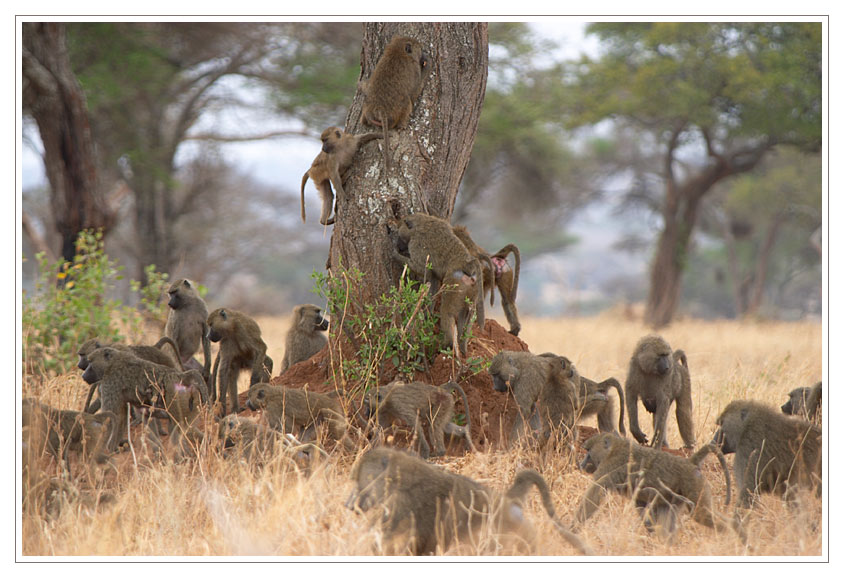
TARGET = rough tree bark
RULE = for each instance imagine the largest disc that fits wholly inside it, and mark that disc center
(428, 157)
(53, 96)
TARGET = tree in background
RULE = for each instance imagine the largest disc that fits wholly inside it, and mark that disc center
(714, 99)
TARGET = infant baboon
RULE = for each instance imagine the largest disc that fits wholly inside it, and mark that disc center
(804, 402)
(305, 338)
(594, 399)
(247, 438)
(543, 387)
(186, 326)
(497, 273)
(241, 347)
(125, 379)
(414, 404)
(426, 506)
(431, 242)
(64, 430)
(660, 378)
(658, 481)
(329, 166)
(393, 87)
(774, 452)
(300, 412)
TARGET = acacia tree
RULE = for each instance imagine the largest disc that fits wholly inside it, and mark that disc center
(429, 156)
(714, 99)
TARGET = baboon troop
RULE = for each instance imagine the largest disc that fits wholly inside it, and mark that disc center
(415, 404)
(241, 347)
(804, 402)
(660, 377)
(393, 87)
(186, 326)
(330, 165)
(424, 507)
(306, 336)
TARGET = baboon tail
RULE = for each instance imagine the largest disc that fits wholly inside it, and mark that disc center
(452, 386)
(212, 387)
(614, 383)
(90, 395)
(680, 356)
(167, 341)
(502, 254)
(302, 201)
(712, 448)
(386, 128)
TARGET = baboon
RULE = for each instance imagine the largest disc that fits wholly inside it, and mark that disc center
(300, 412)
(497, 273)
(594, 399)
(246, 437)
(430, 506)
(305, 338)
(393, 87)
(543, 387)
(241, 347)
(125, 379)
(774, 452)
(660, 378)
(329, 166)
(804, 402)
(64, 430)
(430, 241)
(187, 327)
(416, 403)
(184, 410)
(658, 481)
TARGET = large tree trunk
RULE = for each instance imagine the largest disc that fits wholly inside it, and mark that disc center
(53, 96)
(428, 157)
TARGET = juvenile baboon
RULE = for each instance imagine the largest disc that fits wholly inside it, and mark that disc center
(125, 379)
(426, 506)
(804, 402)
(774, 452)
(330, 165)
(594, 399)
(414, 404)
(543, 387)
(659, 482)
(393, 87)
(430, 242)
(305, 338)
(660, 377)
(63, 430)
(497, 273)
(241, 347)
(247, 438)
(186, 326)
(300, 412)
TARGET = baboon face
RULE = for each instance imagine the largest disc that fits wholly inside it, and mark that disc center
(654, 356)
(414, 49)
(312, 319)
(85, 350)
(218, 324)
(597, 447)
(503, 372)
(97, 362)
(796, 404)
(370, 475)
(257, 397)
(177, 291)
(231, 430)
(731, 423)
(330, 137)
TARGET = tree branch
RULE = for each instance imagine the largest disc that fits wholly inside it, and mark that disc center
(212, 137)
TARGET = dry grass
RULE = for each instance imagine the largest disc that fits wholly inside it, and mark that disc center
(223, 507)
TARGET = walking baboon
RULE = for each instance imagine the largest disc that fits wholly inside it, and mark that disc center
(414, 404)
(330, 165)
(63, 430)
(430, 242)
(426, 506)
(594, 399)
(241, 347)
(774, 452)
(300, 412)
(543, 387)
(305, 338)
(393, 87)
(497, 273)
(658, 481)
(660, 377)
(804, 402)
(125, 379)
(186, 326)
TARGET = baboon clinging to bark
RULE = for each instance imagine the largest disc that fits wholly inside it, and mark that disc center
(543, 387)
(241, 347)
(804, 402)
(658, 481)
(186, 326)
(497, 273)
(393, 87)
(774, 452)
(430, 242)
(330, 165)
(660, 377)
(418, 403)
(306, 336)
(430, 507)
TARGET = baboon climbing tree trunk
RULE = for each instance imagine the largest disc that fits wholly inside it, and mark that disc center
(428, 157)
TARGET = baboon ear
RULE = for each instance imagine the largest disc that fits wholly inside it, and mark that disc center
(261, 394)
(223, 314)
(744, 414)
(607, 443)
(97, 344)
(107, 354)
(337, 133)
(187, 283)
(408, 47)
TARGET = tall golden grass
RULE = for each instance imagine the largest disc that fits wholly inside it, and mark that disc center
(217, 507)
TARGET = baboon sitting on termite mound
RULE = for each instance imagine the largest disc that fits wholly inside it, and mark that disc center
(426, 507)
(306, 336)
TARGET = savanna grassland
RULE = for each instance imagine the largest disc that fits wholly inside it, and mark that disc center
(223, 507)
